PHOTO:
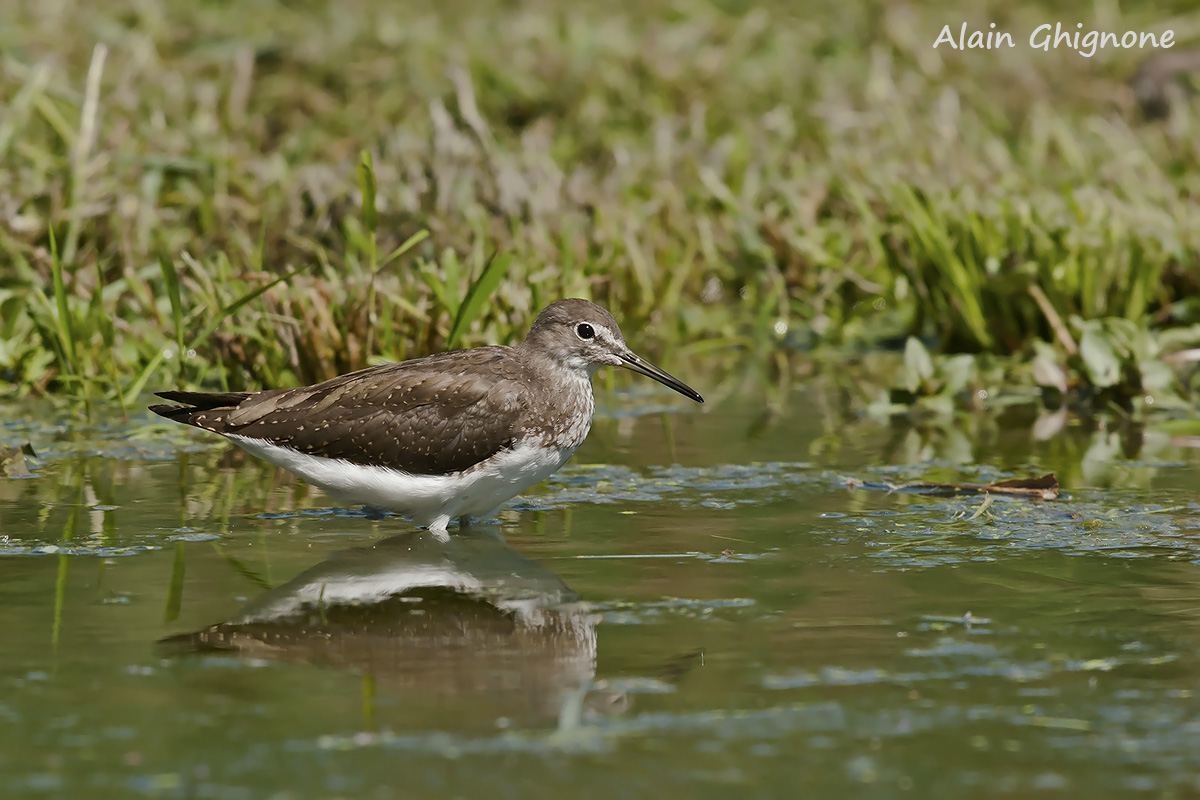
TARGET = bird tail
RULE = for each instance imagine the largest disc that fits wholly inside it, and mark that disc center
(201, 409)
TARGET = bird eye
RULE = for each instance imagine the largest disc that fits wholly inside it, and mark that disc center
(584, 331)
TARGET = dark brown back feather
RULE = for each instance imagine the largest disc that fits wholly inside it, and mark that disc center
(426, 416)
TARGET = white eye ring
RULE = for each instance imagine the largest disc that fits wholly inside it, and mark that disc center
(585, 331)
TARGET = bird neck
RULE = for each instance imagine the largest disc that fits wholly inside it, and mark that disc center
(561, 417)
(537, 358)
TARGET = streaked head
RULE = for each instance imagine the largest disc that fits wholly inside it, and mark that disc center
(582, 336)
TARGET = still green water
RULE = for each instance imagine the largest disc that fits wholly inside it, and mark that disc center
(695, 607)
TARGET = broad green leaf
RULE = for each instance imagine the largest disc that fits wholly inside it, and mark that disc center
(1157, 377)
(1174, 339)
(1048, 372)
(939, 404)
(957, 371)
(918, 366)
(1122, 333)
(1100, 359)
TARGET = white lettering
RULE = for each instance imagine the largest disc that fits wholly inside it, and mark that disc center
(945, 37)
(1045, 45)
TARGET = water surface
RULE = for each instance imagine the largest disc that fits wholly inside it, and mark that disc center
(696, 605)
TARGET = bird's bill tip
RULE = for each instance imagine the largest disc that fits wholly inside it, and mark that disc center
(635, 363)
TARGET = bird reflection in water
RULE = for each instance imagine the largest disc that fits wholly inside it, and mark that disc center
(465, 616)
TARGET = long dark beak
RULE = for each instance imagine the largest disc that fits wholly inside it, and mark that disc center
(643, 367)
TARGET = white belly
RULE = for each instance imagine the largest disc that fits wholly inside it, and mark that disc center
(431, 500)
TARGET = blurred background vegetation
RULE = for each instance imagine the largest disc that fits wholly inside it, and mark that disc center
(182, 191)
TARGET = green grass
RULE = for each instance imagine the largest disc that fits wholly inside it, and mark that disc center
(222, 182)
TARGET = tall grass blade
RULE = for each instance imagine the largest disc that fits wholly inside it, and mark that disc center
(370, 216)
(171, 279)
(366, 186)
(66, 328)
(236, 305)
(450, 282)
(479, 291)
(108, 337)
(139, 384)
(408, 244)
(431, 274)
(131, 392)
(82, 149)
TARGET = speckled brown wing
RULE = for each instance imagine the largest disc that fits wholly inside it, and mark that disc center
(427, 416)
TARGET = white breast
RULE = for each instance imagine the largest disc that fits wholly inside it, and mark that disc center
(431, 500)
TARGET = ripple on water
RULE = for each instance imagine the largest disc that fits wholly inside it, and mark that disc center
(957, 659)
(620, 612)
(10, 549)
(1161, 737)
(722, 486)
(923, 534)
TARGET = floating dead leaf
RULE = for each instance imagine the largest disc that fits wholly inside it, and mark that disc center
(1043, 488)
(12, 460)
